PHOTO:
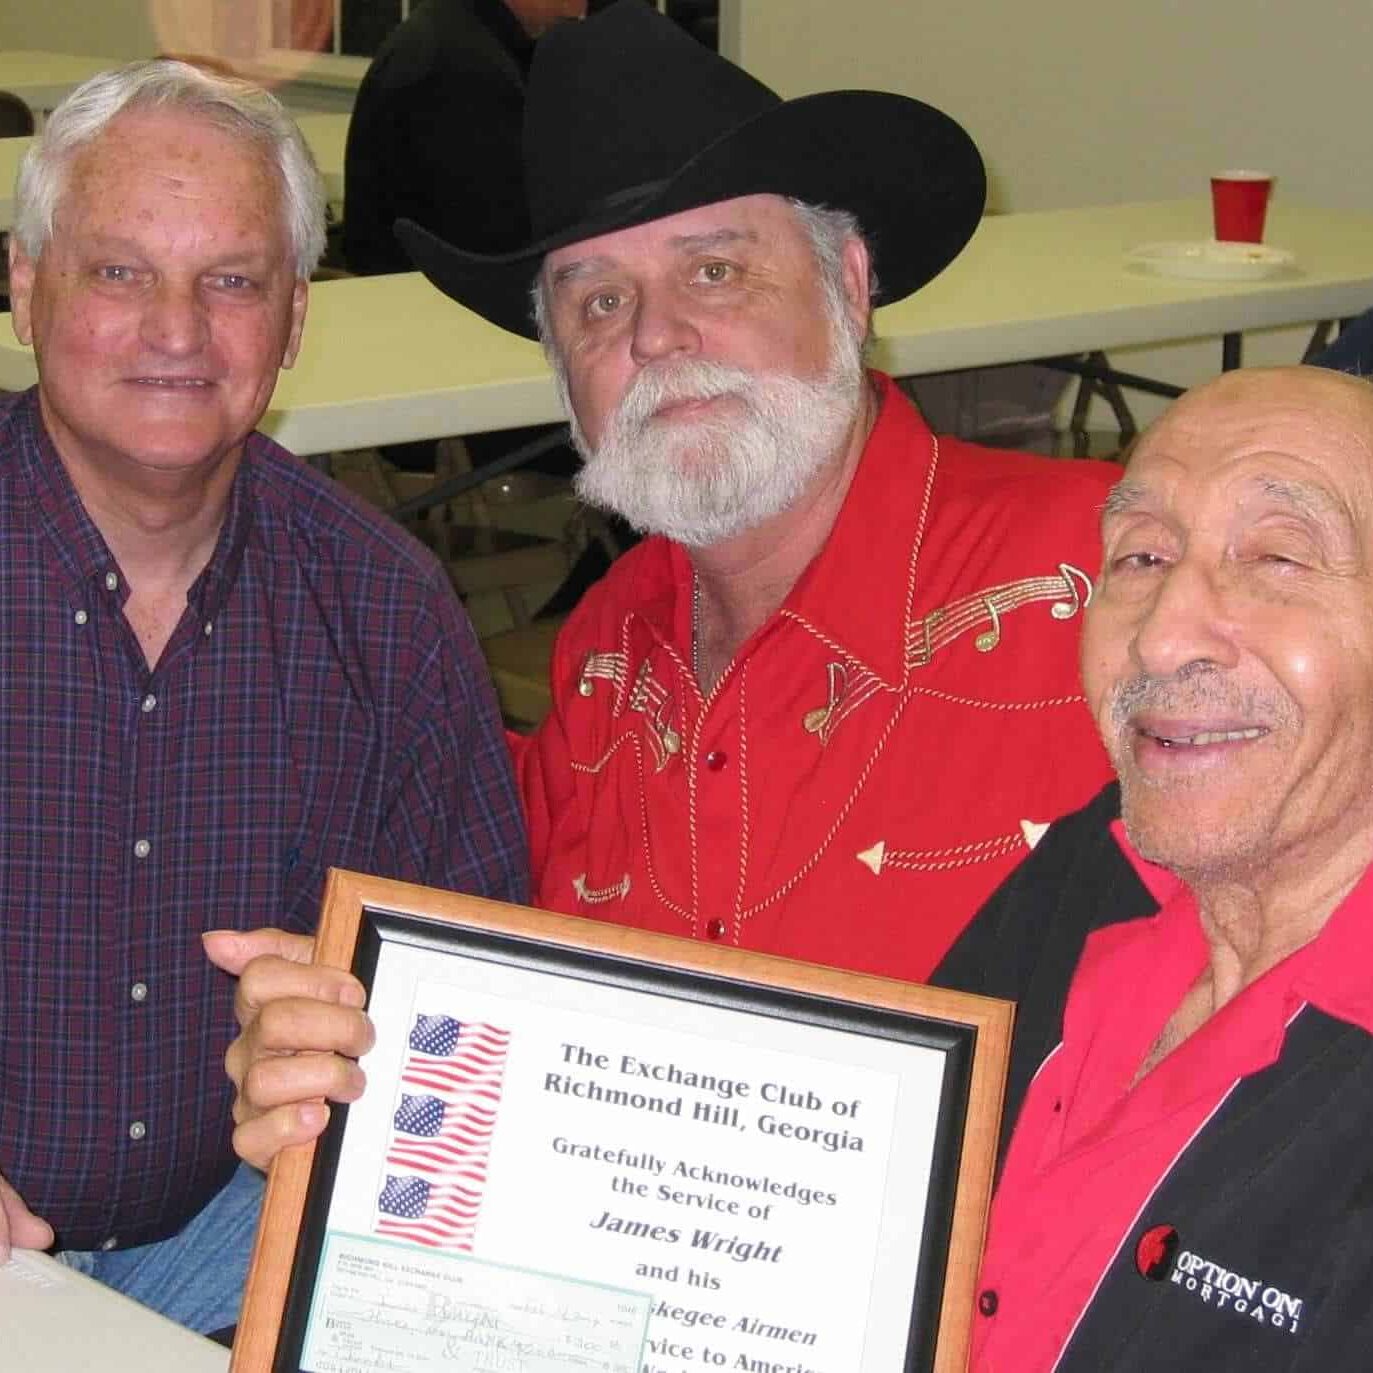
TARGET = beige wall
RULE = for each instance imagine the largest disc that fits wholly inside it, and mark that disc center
(1078, 102)
(1096, 101)
(121, 29)
(1072, 101)
(126, 29)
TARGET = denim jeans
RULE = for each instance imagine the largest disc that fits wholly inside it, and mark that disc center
(196, 1277)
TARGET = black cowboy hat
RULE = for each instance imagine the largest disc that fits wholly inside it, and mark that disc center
(628, 119)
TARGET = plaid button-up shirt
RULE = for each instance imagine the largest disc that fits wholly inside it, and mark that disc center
(322, 701)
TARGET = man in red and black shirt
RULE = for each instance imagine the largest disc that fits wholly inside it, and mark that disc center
(1188, 1181)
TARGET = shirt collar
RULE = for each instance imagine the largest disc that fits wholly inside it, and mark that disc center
(80, 549)
(211, 589)
(1334, 972)
(1160, 883)
(1337, 972)
(880, 525)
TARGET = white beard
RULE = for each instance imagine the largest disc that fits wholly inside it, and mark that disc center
(702, 481)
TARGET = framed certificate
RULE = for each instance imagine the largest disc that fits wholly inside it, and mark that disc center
(585, 1147)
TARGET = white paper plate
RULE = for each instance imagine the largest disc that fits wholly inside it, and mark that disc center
(1209, 260)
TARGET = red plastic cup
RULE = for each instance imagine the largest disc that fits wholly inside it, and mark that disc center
(1239, 202)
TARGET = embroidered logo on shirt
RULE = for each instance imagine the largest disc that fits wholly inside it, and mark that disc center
(1154, 1252)
(879, 857)
(595, 896)
(849, 686)
(1251, 1298)
(654, 702)
(822, 719)
(610, 666)
(1069, 590)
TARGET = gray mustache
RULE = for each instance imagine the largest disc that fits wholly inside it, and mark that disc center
(1197, 688)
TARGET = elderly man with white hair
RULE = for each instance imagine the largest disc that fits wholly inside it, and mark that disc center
(222, 674)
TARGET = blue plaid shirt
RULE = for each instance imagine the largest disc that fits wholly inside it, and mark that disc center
(322, 702)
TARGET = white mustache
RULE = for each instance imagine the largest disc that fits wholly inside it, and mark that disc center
(655, 387)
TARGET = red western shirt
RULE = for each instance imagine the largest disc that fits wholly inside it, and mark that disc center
(1089, 1152)
(876, 757)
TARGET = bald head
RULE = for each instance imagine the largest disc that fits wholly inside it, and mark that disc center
(1228, 653)
(1310, 413)
(1257, 396)
(1317, 384)
(1262, 405)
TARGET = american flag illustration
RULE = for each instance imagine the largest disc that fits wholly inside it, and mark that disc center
(441, 1132)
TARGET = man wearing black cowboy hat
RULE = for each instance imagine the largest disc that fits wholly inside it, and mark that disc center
(830, 710)
(845, 679)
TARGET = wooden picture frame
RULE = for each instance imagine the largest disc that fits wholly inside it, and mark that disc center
(866, 1110)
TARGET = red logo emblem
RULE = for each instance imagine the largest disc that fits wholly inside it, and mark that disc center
(1154, 1252)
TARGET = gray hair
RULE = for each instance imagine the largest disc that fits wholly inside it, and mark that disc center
(828, 230)
(237, 108)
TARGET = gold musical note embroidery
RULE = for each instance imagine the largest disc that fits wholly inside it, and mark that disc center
(1065, 610)
(983, 612)
(607, 666)
(989, 638)
(655, 702)
(814, 721)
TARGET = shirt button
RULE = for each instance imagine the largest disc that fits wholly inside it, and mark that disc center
(988, 1301)
(149, 703)
(137, 1130)
(141, 848)
(138, 992)
(108, 1244)
(716, 759)
(209, 629)
(715, 929)
(81, 617)
(111, 582)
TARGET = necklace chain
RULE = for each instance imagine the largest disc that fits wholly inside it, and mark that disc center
(696, 626)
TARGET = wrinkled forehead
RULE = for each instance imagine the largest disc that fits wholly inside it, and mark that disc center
(1306, 443)
(174, 154)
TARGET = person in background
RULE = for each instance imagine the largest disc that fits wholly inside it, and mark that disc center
(222, 674)
(1352, 351)
(434, 135)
